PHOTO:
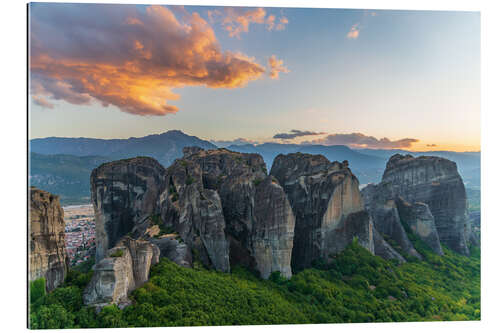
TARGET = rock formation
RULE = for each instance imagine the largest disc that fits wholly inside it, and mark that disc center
(124, 268)
(47, 255)
(420, 220)
(195, 213)
(124, 194)
(214, 203)
(383, 249)
(386, 218)
(436, 182)
(327, 205)
(273, 229)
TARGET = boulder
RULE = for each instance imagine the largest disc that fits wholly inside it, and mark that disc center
(436, 182)
(124, 195)
(322, 196)
(47, 255)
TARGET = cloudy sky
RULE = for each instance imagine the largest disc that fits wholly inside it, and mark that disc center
(363, 78)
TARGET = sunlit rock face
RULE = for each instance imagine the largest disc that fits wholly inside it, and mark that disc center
(436, 182)
(124, 268)
(323, 195)
(47, 255)
(124, 195)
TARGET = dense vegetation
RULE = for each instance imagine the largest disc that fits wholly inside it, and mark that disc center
(354, 287)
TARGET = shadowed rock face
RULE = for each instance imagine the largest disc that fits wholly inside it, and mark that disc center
(47, 255)
(196, 214)
(226, 208)
(420, 220)
(273, 229)
(383, 249)
(386, 218)
(434, 181)
(322, 196)
(124, 194)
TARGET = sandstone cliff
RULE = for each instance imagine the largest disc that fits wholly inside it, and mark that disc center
(47, 255)
(327, 205)
(436, 182)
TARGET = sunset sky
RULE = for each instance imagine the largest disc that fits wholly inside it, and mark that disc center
(363, 78)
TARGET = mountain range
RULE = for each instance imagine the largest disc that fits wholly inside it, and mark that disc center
(63, 165)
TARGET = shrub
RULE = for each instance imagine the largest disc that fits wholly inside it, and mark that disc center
(118, 253)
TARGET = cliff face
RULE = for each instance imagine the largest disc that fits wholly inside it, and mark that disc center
(217, 200)
(436, 182)
(273, 230)
(323, 195)
(47, 255)
(124, 194)
(386, 217)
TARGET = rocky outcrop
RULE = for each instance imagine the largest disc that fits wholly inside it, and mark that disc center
(383, 249)
(327, 205)
(124, 268)
(436, 182)
(386, 219)
(273, 229)
(124, 194)
(113, 279)
(195, 213)
(47, 255)
(224, 207)
(419, 219)
(173, 248)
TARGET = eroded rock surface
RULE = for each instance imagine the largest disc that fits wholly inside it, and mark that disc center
(384, 250)
(124, 268)
(420, 220)
(113, 279)
(323, 195)
(386, 219)
(273, 229)
(124, 194)
(436, 182)
(47, 255)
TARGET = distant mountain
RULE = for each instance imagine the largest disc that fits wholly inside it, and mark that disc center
(65, 175)
(165, 147)
(367, 168)
(63, 165)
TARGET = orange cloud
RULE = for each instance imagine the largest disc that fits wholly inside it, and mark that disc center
(237, 20)
(129, 58)
(276, 67)
(354, 32)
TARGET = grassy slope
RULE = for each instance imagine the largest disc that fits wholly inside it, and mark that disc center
(439, 288)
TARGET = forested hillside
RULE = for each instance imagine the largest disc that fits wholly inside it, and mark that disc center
(354, 287)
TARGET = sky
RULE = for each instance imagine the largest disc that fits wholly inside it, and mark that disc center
(363, 78)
